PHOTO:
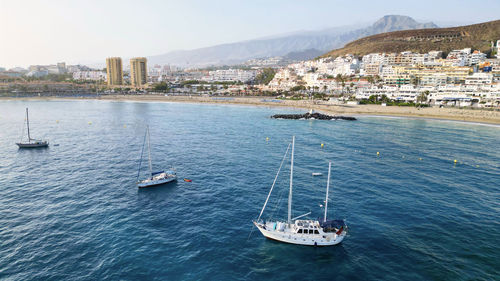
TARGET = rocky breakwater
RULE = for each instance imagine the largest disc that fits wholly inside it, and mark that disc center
(315, 115)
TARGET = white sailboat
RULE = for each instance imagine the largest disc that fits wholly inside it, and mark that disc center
(320, 232)
(31, 143)
(155, 178)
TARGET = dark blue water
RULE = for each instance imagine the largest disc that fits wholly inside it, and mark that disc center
(73, 211)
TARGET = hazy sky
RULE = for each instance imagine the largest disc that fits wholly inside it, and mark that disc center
(45, 32)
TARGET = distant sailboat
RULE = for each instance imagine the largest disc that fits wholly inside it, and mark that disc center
(302, 232)
(31, 143)
(155, 178)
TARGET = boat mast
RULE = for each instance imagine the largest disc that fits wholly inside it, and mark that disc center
(28, 124)
(327, 187)
(291, 183)
(142, 153)
(149, 154)
(274, 182)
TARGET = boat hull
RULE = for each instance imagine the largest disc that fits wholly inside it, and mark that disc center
(151, 183)
(301, 239)
(32, 145)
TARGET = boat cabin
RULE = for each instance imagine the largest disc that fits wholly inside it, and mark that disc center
(315, 227)
(307, 227)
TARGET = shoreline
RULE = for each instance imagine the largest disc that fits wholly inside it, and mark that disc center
(446, 113)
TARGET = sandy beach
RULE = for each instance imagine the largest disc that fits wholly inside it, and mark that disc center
(458, 114)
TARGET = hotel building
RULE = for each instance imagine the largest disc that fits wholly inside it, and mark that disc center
(138, 72)
(114, 70)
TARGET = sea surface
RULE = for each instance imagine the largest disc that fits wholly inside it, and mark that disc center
(73, 211)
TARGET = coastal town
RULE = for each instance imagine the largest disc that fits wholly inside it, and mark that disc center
(249, 140)
(460, 78)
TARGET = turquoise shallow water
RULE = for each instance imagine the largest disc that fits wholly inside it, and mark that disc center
(73, 211)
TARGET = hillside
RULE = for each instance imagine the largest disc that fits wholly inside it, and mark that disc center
(476, 36)
(298, 45)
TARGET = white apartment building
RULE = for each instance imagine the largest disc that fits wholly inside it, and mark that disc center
(406, 93)
(373, 58)
(222, 75)
(371, 69)
(465, 57)
(284, 79)
(89, 75)
(476, 58)
(479, 79)
(311, 79)
(459, 95)
(434, 79)
(386, 70)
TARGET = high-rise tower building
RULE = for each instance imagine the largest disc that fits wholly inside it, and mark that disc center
(138, 72)
(114, 70)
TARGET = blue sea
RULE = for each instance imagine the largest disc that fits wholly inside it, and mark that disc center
(73, 211)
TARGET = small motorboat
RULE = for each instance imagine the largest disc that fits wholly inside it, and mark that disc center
(188, 180)
(317, 174)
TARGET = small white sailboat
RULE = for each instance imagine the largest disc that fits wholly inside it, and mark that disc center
(321, 232)
(31, 143)
(155, 178)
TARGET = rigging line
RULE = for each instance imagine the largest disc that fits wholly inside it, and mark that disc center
(278, 203)
(280, 197)
(251, 231)
(22, 133)
(274, 182)
(140, 160)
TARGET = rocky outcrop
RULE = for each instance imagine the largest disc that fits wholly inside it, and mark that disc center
(315, 115)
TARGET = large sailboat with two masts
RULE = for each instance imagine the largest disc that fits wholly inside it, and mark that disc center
(31, 143)
(321, 232)
(154, 178)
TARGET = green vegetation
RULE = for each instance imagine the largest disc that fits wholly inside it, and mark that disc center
(298, 88)
(493, 53)
(423, 97)
(265, 76)
(227, 83)
(319, 96)
(160, 87)
(374, 99)
(192, 82)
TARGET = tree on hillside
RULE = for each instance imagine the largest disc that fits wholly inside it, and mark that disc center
(265, 76)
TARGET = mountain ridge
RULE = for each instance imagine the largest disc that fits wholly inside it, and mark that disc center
(475, 36)
(323, 40)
